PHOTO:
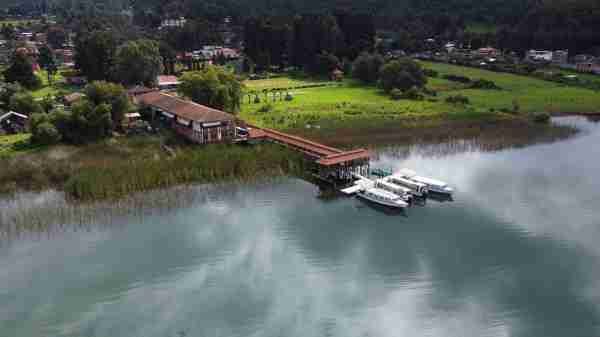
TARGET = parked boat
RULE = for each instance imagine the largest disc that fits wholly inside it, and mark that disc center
(401, 191)
(433, 185)
(417, 188)
(382, 197)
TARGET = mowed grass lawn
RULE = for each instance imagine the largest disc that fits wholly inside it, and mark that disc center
(58, 85)
(360, 105)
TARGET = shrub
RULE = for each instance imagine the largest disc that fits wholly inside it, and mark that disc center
(402, 74)
(46, 134)
(366, 67)
(396, 94)
(541, 117)
(266, 108)
(458, 99)
(457, 78)
(414, 94)
(484, 84)
(430, 72)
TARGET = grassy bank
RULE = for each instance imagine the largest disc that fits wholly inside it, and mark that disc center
(118, 167)
(356, 105)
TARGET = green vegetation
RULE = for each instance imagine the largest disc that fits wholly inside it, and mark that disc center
(215, 87)
(481, 28)
(353, 104)
(283, 83)
(115, 168)
(11, 145)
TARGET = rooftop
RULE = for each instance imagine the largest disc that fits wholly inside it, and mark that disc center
(183, 108)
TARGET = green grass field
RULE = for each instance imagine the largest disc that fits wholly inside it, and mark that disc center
(358, 105)
(18, 22)
(14, 144)
(58, 85)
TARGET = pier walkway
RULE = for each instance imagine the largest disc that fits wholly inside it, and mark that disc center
(332, 163)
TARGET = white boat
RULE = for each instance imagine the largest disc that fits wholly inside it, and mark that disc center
(433, 185)
(382, 197)
(417, 188)
(402, 191)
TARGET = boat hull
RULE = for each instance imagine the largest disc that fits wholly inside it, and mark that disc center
(390, 204)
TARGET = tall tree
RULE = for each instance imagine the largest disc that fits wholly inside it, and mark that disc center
(215, 87)
(138, 62)
(402, 74)
(114, 95)
(47, 61)
(21, 71)
(56, 36)
(94, 54)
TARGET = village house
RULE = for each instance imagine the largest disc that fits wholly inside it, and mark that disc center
(488, 52)
(539, 56)
(71, 99)
(13, 122)
(173, 22)
(591, 66)
(197, 123)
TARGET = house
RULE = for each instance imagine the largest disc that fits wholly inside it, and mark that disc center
(592, 66)
(488, 52)
(539, 56)
(580, 58)
(336, 75)
(197, 123)
(13, 122)
(167, 82)
(173, 22)
(70, 99)
(560, 57)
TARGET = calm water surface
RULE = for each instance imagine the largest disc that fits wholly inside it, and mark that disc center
(516, 254)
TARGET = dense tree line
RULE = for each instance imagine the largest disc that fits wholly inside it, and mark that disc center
(311, 42)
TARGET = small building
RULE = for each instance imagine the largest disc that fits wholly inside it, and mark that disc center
(560, 57)
(336, 75)
(488, 52)
(173, 22)
(130, 119)
(197, 123)
(588, 67)
(539, 55)
(167, 82)
(71, 99)
(13, 122)
(580, 58)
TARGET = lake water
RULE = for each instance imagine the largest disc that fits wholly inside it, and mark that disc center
(517, 253)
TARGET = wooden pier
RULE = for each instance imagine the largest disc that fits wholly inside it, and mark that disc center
(331, 164)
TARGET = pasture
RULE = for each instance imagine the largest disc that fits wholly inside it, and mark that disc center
(357, 105)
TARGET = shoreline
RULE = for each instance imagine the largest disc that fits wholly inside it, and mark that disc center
(115, 169)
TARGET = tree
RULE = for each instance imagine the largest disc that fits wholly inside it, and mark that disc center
(9, 90)
(21, 71)
(8, 31)
(114, 95)
(215, 87)
(94, 54)
(47, 61)
(138, 62)
(23, 102)
(85, 122)
(366, 67)
(326, 63)
(402, 74)
(43, 131)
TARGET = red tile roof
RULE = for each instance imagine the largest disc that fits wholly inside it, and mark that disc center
(183, 108)
(343, 157)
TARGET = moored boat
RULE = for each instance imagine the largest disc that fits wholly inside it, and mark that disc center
(417, 188)
(433, 185)
(382, 197)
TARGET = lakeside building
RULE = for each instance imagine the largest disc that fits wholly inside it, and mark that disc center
(488, 52)
(13, 122)
(591, 66)
(197, 123)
